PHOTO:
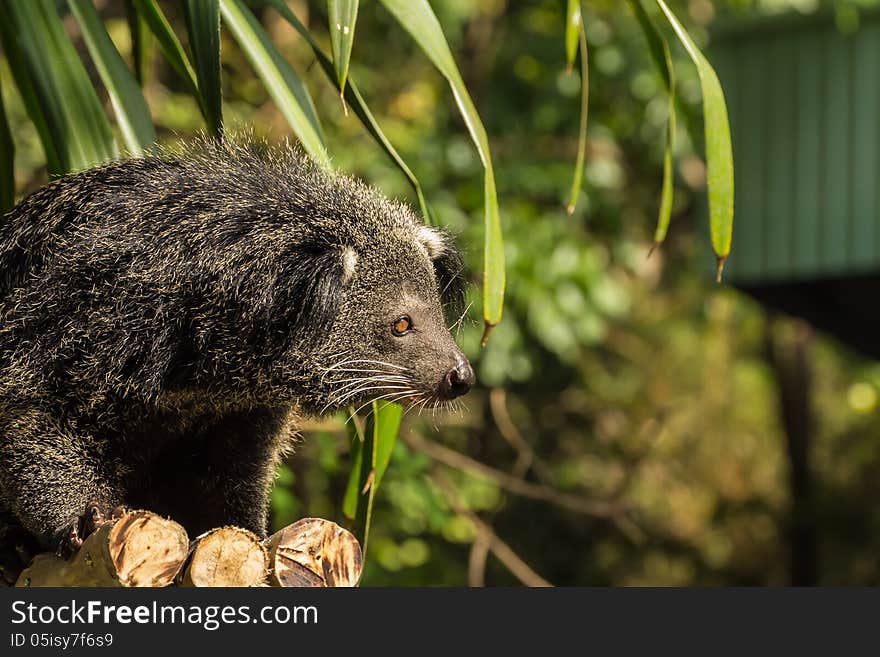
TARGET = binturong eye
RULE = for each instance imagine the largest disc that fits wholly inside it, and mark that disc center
(401, 325)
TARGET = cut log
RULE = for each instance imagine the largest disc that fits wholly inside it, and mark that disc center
(314, 552)
(227, 556)
(139, 549)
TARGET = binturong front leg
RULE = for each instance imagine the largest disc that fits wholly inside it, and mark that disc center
(56, 480)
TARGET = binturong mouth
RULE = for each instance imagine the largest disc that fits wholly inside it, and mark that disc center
(355, 381)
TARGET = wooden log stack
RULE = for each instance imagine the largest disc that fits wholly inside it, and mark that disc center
(144, 549)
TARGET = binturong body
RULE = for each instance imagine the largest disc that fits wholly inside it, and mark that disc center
(164, 319)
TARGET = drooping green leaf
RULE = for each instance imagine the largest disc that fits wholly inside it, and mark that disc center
(56, 89)
(141, 40)
(129, 105)
(371, 453)
(343, 16)
(572, 31)
(356, 476)
(417, 18)
(356, 101)
(667, 189)
(662, 57)
(719, 152)
(582, 132)
(7, 162)
(657, 45)
(170, 46)
(385, 423)
(281, 81)
(203, 27)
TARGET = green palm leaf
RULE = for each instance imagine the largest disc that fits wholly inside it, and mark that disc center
(343, 16)
(203, 26)
(659, 49)
(719, 152)
(281, 81)
(582, 131)
(573, 18)
(56, 89)
(170, 46)
(129, 105)
(141, 40)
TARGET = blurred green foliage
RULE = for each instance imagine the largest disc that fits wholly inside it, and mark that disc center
(613, 378)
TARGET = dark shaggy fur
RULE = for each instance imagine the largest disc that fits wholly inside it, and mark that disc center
(163, 319)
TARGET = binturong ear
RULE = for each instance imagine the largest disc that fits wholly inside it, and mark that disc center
(316, 277)
(448, 268)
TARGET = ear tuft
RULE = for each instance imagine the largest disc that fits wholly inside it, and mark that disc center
(349, 264)
(433, 240)
(448, 268)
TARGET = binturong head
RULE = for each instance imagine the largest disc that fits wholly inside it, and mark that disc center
(401, 294)
(370, 292)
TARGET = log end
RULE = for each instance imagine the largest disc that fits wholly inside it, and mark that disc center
(314, 552)
(146, 549)
(227, 556)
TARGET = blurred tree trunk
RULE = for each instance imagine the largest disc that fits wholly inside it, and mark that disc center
(788, 344)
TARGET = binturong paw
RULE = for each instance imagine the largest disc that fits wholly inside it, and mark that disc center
(81, 527)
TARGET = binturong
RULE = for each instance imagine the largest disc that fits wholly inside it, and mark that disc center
(164, 320)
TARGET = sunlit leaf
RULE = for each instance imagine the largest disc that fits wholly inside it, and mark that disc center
(667, 189)
(417, 18)
(572, 31)
(203, 27)
(662, 57)
(129, 105)
(385, 423)
(343, 16)
(141, 39)
(356, 101)
(371, 453)
(719, 152)
(351, 499)
(282, 82)
(7, 162)
(56, 89)
(582, 132)
(170, 46)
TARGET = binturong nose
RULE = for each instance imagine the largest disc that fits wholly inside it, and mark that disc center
(458, 380)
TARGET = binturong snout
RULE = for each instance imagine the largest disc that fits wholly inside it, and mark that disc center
(459, 380)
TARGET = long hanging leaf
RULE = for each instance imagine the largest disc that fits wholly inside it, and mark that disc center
(203, 27)
(280, 79)
(141, 39)
(343, 16)
(351, 499)
(58, 94)
(719, 152)
(667, 190)
(132, 114)
(353, 97)
(417, 18)
(28, 94)
(171, 48)
(572, 31)
(582, 132)
(660, 53)
(7, 162)
(386, 422)
(371, 454)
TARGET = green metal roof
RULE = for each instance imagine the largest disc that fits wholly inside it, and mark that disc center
(804, 103)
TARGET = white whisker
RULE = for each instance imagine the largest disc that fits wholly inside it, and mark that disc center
(457, 324)
(352, 393)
